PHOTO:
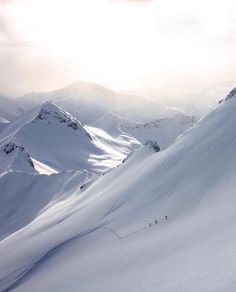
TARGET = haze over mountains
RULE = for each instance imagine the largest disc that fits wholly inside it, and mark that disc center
(86, 206)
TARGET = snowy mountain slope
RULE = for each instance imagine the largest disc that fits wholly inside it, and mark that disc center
(43, 168)
(164, 131)
(25, 195)
(105, 243)
(14, 126)
(118, 147)
(114, 112)
(15, 158)
(9, 108)
(3, 124)
(55, 138)
(112, 123)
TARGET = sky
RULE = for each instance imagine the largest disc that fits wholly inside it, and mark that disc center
(173, 50)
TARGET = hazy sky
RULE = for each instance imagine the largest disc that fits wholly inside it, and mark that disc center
(173, 49)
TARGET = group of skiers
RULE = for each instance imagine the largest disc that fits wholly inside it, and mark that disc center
(156, 221)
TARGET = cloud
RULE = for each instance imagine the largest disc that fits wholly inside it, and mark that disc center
(137, 1)
(5, 28)
(166, 49)
(4, 2)
(132, 2)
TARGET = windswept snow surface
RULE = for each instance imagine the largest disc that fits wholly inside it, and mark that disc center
(98, 238)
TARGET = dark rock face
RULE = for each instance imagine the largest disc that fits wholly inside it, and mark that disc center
(152, 124)
(46, 114)
(151, 144)
(73, 125)
(10, 147)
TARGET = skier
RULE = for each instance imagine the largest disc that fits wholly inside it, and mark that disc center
(166, 217)
(156, 221)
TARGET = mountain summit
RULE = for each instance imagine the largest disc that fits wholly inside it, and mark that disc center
(52, 113)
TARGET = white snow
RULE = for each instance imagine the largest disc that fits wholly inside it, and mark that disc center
(14, 158)
(43, 168)
(56, 139)
(164, 130)
(26, 196)
(58, 236)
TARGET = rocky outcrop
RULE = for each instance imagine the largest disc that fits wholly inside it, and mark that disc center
(15, 157)
(152, 145)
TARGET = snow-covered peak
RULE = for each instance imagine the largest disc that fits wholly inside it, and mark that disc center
(50, 112)
(14, 157)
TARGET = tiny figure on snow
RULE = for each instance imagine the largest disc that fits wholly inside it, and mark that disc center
(166, 217)
(156, 221)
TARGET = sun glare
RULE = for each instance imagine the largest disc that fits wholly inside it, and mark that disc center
(122, 44)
